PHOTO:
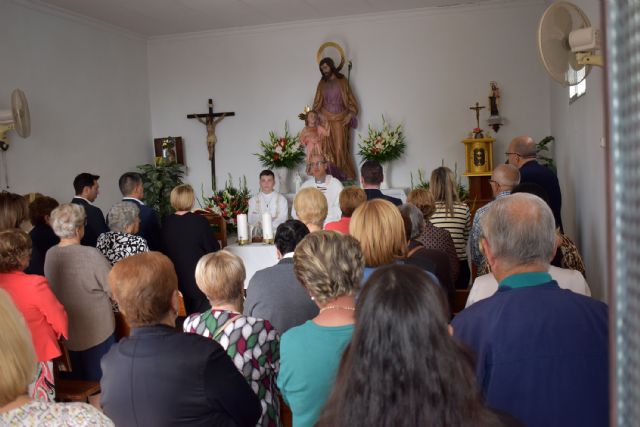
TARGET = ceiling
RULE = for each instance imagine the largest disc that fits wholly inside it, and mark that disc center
(164, 17)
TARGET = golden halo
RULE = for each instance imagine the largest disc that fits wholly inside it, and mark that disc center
(335, 45)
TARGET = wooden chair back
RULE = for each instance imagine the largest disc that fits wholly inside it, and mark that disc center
(71, 390)
(218, 226)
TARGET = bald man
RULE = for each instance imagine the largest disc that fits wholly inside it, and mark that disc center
(522, 154)
(503, 179)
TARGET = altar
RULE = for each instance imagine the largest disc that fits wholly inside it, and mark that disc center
(255, 256)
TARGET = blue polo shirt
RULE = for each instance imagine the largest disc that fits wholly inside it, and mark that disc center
(541, 352)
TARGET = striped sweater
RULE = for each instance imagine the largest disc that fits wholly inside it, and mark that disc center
(458, 225)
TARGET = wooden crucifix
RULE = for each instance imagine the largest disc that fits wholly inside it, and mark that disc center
(210, 120)
(477, 108)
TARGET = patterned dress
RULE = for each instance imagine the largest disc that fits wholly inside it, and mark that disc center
(116, 246)
(54, 415)
(253, 345)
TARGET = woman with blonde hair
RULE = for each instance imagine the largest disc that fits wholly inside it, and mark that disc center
(14, 211)
(452, 215)
(253, 344)
(311, 208)
(329, 265)
(378, 226)
(186, 237)
(18, 361)
(45, 316)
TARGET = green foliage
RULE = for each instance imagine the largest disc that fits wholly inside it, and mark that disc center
(158, 181)
(229, 202)
(543, 147)
(281, 152)
(383, 145)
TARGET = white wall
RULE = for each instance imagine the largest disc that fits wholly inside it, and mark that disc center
(578, 129)
(422, 68)
(88, 94)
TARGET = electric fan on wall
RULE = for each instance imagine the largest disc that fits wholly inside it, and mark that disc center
(17, 118)
(567, 43)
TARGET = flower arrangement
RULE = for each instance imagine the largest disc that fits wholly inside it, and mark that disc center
(463, 193)
(383, 145)
(281, 152)
(229, 202)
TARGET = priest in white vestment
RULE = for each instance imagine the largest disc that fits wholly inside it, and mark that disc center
(268, 200)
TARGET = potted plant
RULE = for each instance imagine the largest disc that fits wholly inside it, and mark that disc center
(158, 180)
(383, 145)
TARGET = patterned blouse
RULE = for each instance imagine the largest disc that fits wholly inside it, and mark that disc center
(433, 237)
(458, 225)
(253, 345)
(55, 414)
(116, 246)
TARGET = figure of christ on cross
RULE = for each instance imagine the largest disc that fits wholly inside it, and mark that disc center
(210, 121)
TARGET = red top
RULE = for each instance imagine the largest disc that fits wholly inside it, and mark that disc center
(342, 226)
(45, 316)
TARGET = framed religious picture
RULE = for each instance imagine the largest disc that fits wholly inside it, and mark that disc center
(169, 150)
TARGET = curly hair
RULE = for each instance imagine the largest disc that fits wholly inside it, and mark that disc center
(15, 250)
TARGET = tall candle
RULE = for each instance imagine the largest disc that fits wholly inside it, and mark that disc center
(267, 228)
(243, 227)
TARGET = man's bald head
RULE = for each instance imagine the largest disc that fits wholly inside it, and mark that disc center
(523, 145)
(506, 176)
(520, 230)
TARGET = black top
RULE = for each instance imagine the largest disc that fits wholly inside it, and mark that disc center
(43, 238)
(95, 225)
(185, 239)
(161, 377)
(436, 262)
(372, 193)
(539, 174)
(149, 225)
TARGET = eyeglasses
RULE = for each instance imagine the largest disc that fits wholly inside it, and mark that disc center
(515, 154)
(316, 164)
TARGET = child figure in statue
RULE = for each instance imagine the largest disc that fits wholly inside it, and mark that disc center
(312, 134)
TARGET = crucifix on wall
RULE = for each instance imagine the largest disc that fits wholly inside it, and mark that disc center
(210, 120)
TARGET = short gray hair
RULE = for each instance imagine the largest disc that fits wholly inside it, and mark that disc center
(121, 215)
(412, 212)
(520, 229)
(66, 219)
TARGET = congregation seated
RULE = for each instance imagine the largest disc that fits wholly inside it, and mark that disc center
(329, 265)
(371, 176)
(432, 237)
(452, 215)
(45, 316)
(78, 277)
(350, 198)
(311, 207)
(42, 236)
(274, 293)
(186, 237)
(329, 186)
(121, 241)
(402, 367)
(486, 285)
(541, 352)
(19, 362)
(268, 200)
(132, 189)
(433, 260)
(159, 376)
(14, 211)
(378, 226)
(252, 343)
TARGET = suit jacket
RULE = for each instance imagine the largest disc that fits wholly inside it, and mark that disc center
(274, 294)
(373, 193)
(149, 224)
(96, 224)
(161, 377)
(536, 173)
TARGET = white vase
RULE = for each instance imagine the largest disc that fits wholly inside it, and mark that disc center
(385, 174)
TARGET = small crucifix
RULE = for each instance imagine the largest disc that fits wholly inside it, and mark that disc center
(477, 108)
(210, 121)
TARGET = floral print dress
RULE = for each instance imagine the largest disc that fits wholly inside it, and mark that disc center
(254, 347)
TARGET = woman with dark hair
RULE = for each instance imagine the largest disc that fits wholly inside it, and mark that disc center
(14, 210)
(41, 234)
(402, 367)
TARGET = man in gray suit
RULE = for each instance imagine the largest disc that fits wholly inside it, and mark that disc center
(274, 294)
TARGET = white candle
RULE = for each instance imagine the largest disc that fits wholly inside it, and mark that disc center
(243, 227)
(267, 229)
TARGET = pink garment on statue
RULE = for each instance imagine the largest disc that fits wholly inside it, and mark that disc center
(333, 99)
(311, 138)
